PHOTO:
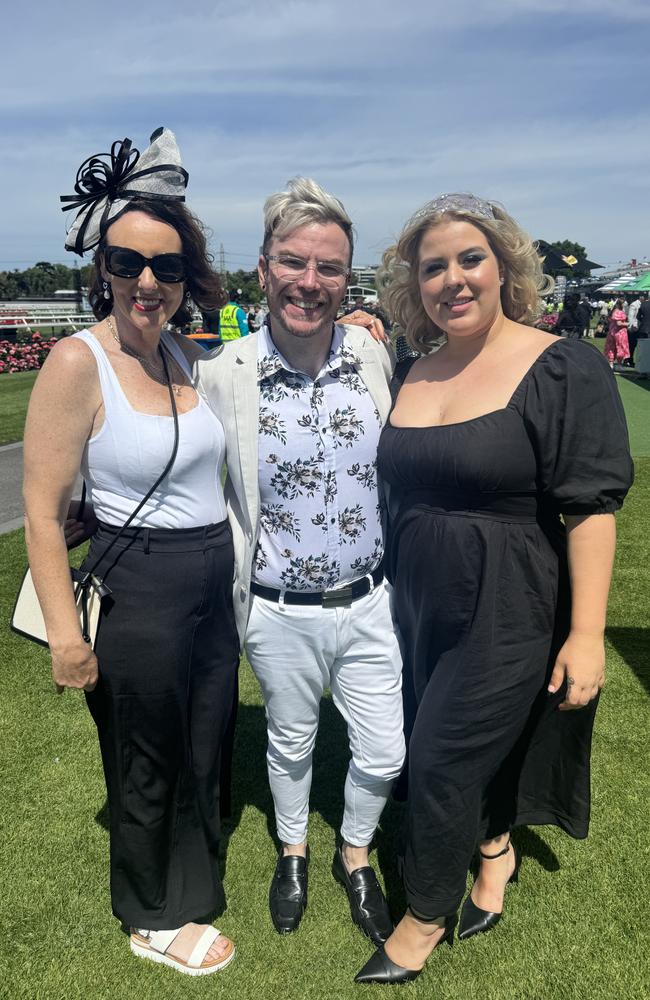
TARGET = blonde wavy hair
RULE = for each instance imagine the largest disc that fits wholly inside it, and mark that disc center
(397, 278)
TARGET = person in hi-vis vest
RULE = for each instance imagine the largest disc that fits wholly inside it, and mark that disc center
(232, 319)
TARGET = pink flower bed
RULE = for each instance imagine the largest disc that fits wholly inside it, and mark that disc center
(24, 357)
(547, 321)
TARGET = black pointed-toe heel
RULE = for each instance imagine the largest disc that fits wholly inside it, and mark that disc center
(474, 920)
(381, 969)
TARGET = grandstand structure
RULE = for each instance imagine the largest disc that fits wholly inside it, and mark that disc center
(31, 316)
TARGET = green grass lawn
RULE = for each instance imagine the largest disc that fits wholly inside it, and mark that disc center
(15, 389)
(575, 927)
(636, 400)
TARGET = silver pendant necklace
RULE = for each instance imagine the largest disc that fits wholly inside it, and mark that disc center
(157, 374)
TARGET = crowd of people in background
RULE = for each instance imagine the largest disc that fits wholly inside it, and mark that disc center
(623, 321)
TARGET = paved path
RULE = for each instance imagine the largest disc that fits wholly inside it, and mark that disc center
(11, 478)
(11, 484)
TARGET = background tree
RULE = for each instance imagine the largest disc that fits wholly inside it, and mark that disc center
(44, 278)
(87, 272)
(247, 281)
(9, 285)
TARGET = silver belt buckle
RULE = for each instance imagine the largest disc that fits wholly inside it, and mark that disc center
(341, 598)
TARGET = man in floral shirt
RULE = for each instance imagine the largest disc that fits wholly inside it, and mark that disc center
(303, 401)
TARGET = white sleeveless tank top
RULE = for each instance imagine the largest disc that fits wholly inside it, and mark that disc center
(122, 461)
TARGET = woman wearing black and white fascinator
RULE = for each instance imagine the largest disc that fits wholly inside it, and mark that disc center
(117, 402)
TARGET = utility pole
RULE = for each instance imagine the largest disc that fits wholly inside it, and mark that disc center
(222, 261)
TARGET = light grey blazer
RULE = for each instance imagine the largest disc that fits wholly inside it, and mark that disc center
(227, 380)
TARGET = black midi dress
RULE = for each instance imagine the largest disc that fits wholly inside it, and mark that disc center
(477, 557)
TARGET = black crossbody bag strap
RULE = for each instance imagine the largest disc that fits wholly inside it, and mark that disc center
(87, 578)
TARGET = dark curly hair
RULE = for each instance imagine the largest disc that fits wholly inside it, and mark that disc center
(202, 282)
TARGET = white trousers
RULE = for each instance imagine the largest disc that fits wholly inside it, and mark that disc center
(296, 651)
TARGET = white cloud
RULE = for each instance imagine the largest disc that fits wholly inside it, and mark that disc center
(540, 104)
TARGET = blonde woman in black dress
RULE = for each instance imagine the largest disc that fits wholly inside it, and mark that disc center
(506, 456)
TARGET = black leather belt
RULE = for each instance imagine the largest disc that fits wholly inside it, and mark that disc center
(327, 598)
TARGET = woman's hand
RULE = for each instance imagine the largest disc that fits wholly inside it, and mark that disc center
(78, 530)
(372, 323)
(581, 662)
(74, 666)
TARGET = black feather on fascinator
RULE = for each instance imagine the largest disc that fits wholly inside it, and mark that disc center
(106, 182)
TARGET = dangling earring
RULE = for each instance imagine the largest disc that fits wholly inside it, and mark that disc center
(188, 296)
(107, 289)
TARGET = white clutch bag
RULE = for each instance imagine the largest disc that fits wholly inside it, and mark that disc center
(27, 619)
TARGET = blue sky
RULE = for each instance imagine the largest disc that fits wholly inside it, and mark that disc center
(539, 104)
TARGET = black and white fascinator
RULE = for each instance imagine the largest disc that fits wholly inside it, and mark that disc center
(106, 182)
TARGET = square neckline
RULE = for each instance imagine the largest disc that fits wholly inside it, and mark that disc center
(481, 416)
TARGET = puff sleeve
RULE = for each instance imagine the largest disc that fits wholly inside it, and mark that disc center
(575, 420)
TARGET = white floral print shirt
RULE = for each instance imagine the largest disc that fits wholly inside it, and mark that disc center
(319, 507)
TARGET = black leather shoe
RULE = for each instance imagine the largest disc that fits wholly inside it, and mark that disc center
(474, 920)
(288, 892)
(381, 969)
(368, 905)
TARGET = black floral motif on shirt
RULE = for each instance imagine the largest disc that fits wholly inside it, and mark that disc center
(273, 390)
(331, 488)
(351, 523)
(277, 384)
(350, 380)
(348, 356)
(364, 474)
(275, 518)
(346, 427)
(261, 561)
(363, 566)
(272, 424)
(320, 521)
(309, 422)
(268, 365)
(292, 479)
(294, 382)
(310, 572)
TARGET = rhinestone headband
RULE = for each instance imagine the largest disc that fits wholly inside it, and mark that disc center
(456, 202)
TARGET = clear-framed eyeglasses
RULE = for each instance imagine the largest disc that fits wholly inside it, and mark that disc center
(288, 266)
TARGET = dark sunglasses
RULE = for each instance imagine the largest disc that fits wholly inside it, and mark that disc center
(125, 263)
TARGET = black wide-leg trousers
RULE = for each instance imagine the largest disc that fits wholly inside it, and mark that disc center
(168, 654)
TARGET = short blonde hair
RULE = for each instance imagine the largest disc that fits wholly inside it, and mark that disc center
(304, 202)
(398, 282)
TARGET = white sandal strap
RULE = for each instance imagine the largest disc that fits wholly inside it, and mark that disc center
(202, 947)
(161, 940)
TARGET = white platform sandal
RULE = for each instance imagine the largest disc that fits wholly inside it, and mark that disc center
(155, 945)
